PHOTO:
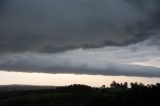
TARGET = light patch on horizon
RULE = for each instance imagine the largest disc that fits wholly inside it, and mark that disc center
(67, 79)
(152, 62)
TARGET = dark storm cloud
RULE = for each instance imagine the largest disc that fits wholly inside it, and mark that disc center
(2, 2)
(58, 25)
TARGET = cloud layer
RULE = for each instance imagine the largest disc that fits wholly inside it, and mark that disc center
(51, 26)
(107, 37)
(134, 60)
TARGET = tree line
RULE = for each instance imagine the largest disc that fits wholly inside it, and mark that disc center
(125, 94)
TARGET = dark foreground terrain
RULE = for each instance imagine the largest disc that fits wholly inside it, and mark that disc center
(82, 95)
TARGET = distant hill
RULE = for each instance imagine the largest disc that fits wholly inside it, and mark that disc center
(16, 87)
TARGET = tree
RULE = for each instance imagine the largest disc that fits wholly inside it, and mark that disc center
(125, 85)
(113, 84)
(103, 86)
(119, 85)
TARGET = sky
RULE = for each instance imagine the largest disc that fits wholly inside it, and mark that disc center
(98, 38)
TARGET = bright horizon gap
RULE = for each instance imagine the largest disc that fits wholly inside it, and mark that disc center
(47, 79)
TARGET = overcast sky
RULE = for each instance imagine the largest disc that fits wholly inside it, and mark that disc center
(95, 37)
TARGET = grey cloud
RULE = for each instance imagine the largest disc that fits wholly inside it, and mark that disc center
(24, 63)
(114, 37)
(134, 60)
(52, 26)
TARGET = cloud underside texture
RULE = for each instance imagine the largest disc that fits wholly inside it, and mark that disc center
(38, 36)
(134, 60)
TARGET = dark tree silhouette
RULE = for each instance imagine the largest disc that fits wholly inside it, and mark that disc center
(82, 95)
(103, 86)
(114, 84)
